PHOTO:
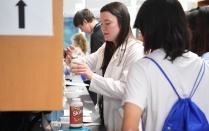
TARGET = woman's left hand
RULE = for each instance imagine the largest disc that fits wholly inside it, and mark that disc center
(79, 68)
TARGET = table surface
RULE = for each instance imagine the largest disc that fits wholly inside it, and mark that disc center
(88, 105)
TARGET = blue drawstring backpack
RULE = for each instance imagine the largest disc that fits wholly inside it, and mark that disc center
(185, 115)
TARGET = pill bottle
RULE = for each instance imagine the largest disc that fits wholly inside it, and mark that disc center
(76, 113)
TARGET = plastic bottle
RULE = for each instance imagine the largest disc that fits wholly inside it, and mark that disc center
(76, 113)
(73, 64)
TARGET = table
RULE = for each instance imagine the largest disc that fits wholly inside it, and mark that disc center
(88, 105)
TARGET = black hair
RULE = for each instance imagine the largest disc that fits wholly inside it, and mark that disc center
(163, 25)
(191, 17)
(121, 12)
(200, 30)
(81, 15)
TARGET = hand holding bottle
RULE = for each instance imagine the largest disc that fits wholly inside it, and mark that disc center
(71, 53)
(77, 67)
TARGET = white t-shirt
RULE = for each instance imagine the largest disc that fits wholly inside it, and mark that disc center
(149, 89)
(205, 57)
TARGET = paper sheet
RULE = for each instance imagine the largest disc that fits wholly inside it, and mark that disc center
(75, 84)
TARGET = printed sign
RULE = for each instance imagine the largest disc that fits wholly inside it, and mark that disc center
(26, 17)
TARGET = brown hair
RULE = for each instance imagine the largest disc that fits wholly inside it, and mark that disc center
(81, 15)
(81, 41)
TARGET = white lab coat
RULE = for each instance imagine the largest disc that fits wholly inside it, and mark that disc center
(112, 85)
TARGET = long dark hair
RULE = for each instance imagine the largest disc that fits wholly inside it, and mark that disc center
(163, 25)
(200, 30)
(121, 12)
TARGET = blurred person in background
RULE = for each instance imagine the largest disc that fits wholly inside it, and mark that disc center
(198, 20)
(79, 41)
(86, 22)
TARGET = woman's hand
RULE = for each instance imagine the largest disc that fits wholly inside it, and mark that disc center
(79, 68)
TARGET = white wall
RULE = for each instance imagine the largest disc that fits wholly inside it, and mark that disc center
(72, 6)
(189, 4)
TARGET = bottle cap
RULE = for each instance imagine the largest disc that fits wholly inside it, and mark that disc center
(66, 72)
(76, 99)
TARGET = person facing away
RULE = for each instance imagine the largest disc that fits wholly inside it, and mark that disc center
(148, 93)
(114, 57)
(198, 20)
(79, 41)
(86, 21)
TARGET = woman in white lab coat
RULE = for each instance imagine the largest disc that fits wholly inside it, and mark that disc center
(114, 58)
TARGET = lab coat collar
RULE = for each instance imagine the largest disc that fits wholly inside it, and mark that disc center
(122, 48)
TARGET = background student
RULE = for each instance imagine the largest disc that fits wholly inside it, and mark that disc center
(198, 20)
(86, 21)
(115, 57)
(79, 41)
(148, 93)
